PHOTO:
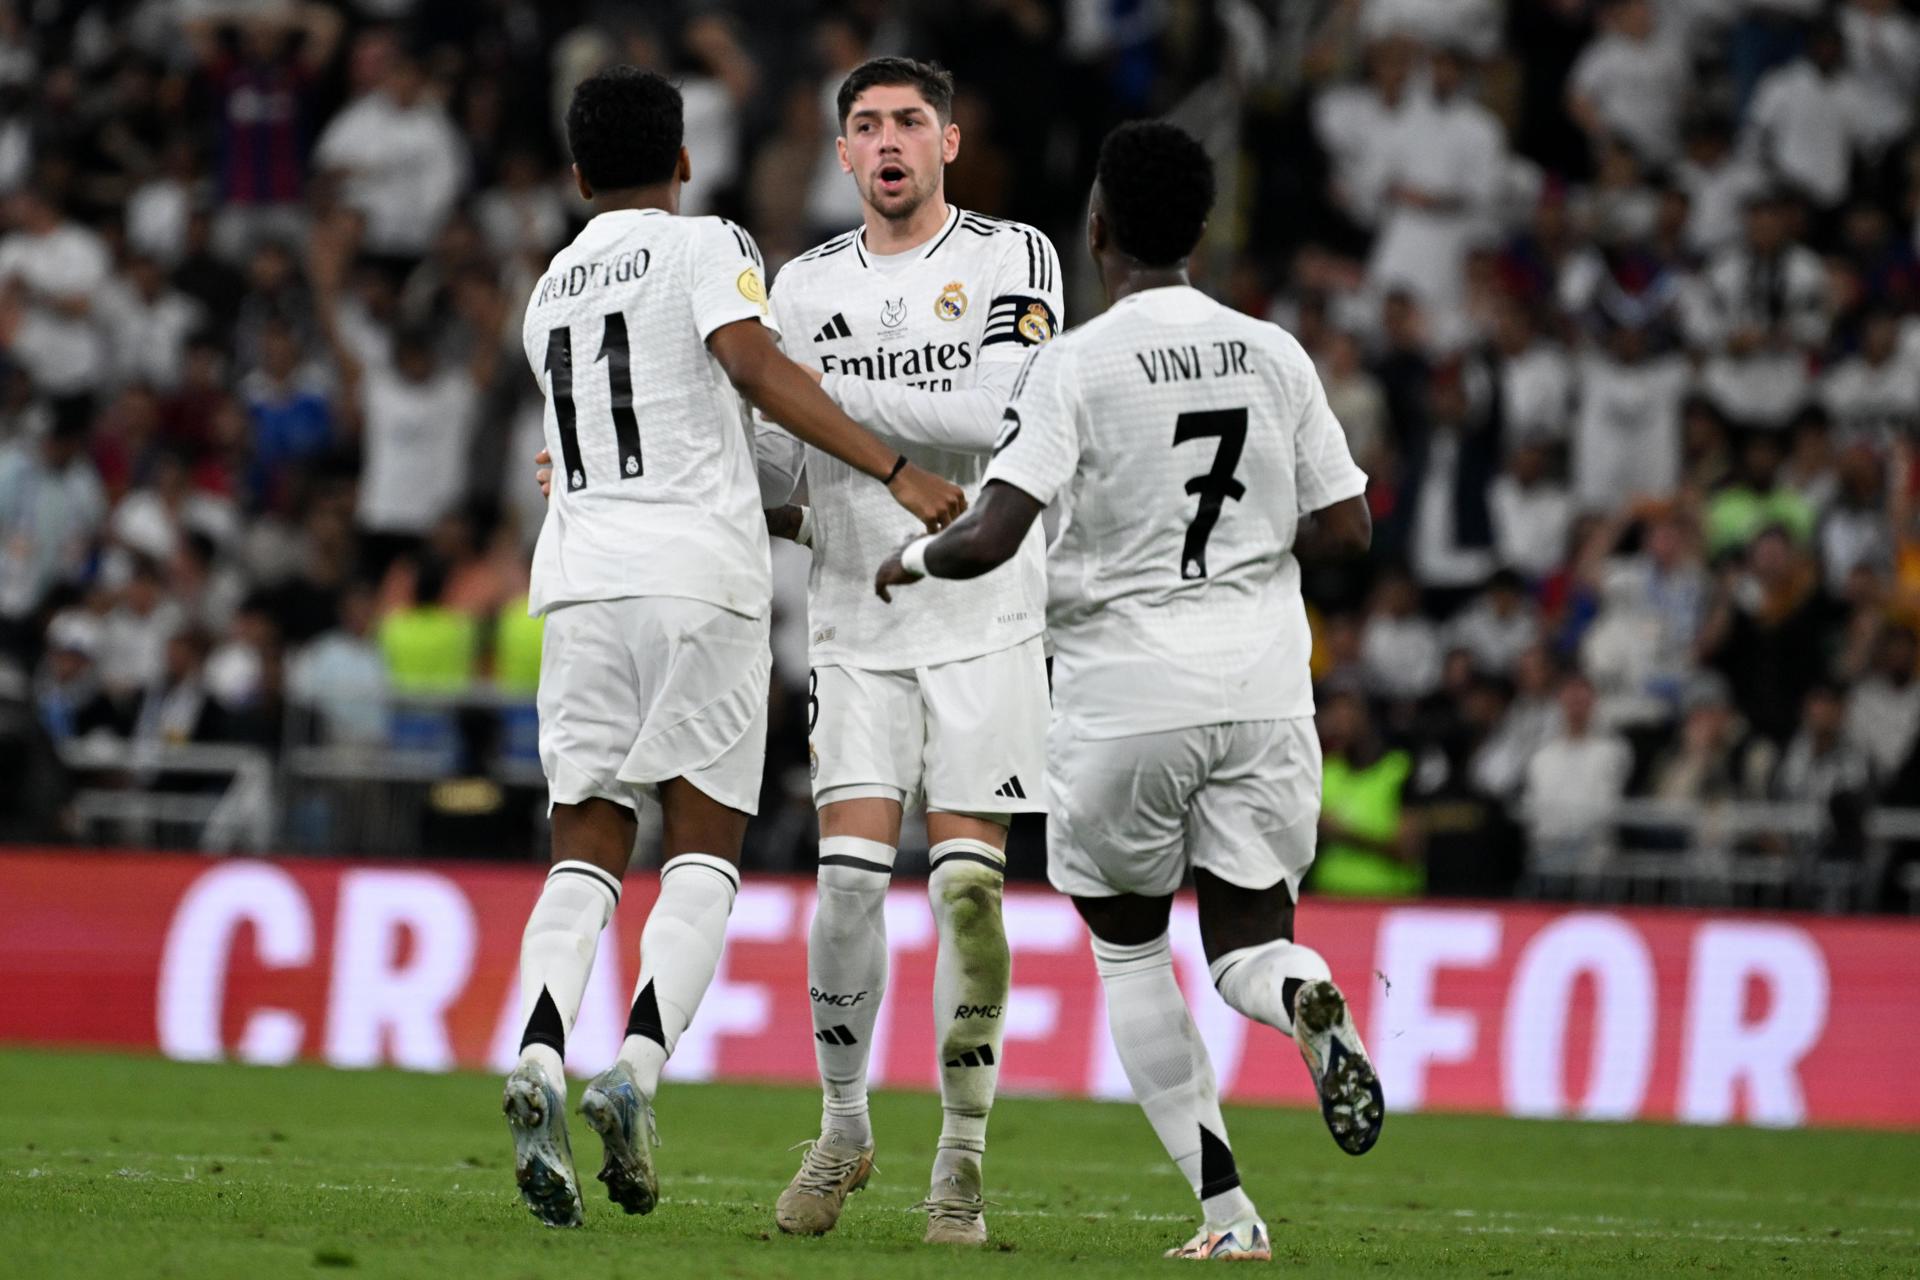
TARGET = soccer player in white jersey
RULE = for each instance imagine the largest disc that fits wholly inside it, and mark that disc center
(652, 572)
(1193, 462)
(917, 322)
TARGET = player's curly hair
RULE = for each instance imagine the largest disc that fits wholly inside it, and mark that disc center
(932, 81)
(624, 127)
(1158, 184)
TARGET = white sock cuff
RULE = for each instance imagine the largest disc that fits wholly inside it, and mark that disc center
(852, 853)
(966, 850)
(1112, 959)
(597, 876)
(705, 862)
(1304, 963)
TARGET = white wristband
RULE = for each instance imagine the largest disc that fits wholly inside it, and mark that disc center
(805, 536)
(913, 557)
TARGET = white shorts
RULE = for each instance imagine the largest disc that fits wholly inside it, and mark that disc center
(636, 691)
(969, 736)
(1130, 815)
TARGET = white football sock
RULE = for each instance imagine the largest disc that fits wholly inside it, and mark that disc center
(679, 951)
(1172, 1077)
(970, 977)
(1260, 981)
(847, 976)
(556, 955)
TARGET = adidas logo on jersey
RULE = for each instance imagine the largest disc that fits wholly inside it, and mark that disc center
(835, 1035)
(834, 328)
(978, 1057)
(1011, 789)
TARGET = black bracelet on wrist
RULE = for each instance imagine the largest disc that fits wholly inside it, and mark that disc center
(899, 465)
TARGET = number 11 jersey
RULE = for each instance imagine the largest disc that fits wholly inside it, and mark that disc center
(653, 479)
(1180, 442)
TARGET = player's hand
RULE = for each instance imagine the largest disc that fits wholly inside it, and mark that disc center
(893, 574)
(543, 461)
(936, 503)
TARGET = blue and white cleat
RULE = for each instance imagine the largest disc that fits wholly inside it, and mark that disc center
(1244, 1241)
(542, 1157)
(1349, 1088)
(621, 1115)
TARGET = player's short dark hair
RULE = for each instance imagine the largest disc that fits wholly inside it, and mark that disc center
(932, 81)
(1158, 184)
(624, 127)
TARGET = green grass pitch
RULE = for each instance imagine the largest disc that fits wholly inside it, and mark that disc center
(118, 1167)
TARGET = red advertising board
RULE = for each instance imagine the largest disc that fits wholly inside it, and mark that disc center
(1529, 1010)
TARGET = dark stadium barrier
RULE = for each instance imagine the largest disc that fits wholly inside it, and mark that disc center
(1531, 1010)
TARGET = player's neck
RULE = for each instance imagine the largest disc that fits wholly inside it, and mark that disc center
(890, 235)
(1124, 277)
(664, 196)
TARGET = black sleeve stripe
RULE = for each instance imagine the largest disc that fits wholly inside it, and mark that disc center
(1033, 264)
(1020, 383)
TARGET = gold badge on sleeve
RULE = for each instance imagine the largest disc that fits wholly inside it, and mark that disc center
(752, 288)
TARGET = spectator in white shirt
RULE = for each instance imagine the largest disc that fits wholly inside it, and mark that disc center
(400, 158)
(1874, 396)
(342, 676)
(1632, 82)
(1574, 785)
(1626, 428)
(51, 271)
(524, 215)
(1804, 123)
(1883, 711)
(148, 323)
(1400, 650)
(1355, 396)
(1536, 377)
(1718, 182)
(1532, 513)
(1883, 60)
(51, 505)
(1762, 310)
(1437, 176)
(1470, 26)
(1498, 626)
(1352, 121)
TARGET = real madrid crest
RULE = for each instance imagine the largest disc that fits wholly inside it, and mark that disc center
(1034, 325)
(952, 302)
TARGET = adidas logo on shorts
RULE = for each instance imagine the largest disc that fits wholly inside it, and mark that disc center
(1011, 789)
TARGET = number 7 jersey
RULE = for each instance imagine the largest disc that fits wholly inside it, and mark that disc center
(1180, 443)
(653, 483)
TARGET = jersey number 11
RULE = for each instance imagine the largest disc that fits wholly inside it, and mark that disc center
(614, 349)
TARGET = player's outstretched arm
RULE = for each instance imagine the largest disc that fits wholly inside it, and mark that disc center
(1339, 532)
(960, 421)
(981, 541)
(782, 390)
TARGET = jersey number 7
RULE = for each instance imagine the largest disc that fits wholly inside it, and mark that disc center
(615, 350)
(1229, 426)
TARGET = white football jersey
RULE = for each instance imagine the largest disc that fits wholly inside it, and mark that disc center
(980, 294)
(1180, 442)
(654, 491)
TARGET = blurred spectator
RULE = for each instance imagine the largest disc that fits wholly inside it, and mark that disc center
(342, 675)
(147, 322)
(1399, 648)
(1497, 627)
(1713, 760)
(1435, 176)
(1626, 430)
(174, 708)
(1756, 500)
(398, 156)
(1355, 397)
(1883, 61)
(1883, 710)
(1453, 457)
(1853, 533)
(1764, 632)
(1824, 767)
(1641, 647)
(66, 687)
(51, 506)
(1874, 396)
(1574, 785)
(51, 272)
(1532, 514)
(1760, 307)
(523, 214)
(1803, 125)
(1632, 82)
(1536, 377)
(1718, 184)
(1366, 845)
(290, 407)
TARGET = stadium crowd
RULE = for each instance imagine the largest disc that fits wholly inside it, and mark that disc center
(1617, 300)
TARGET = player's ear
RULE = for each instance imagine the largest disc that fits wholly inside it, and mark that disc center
(684, 171)
(950, 144)
(840, 145)
(1096, 232)
(580, 181)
